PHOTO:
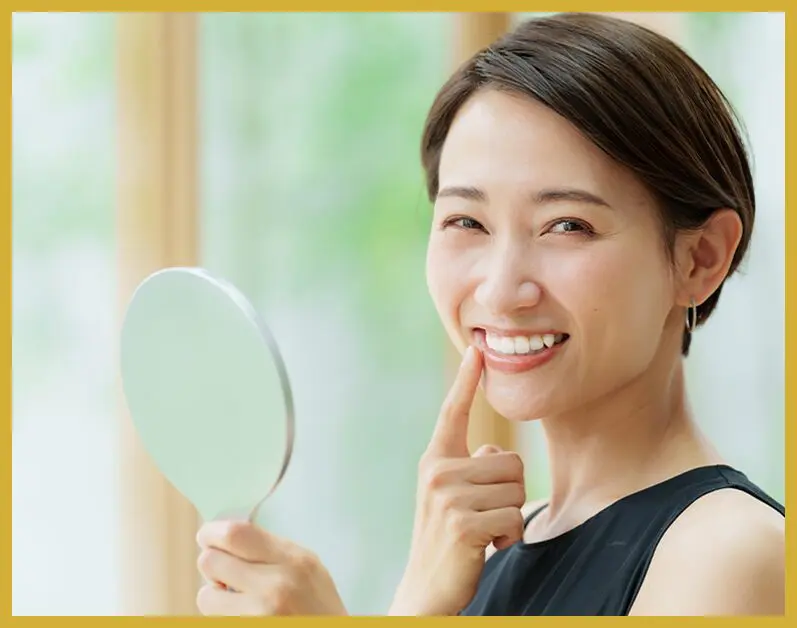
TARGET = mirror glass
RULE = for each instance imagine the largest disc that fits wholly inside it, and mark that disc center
(207, 391)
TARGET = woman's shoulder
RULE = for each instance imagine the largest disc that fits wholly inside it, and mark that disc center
(723, 555)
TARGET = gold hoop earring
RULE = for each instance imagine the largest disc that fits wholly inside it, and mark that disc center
(691, 316)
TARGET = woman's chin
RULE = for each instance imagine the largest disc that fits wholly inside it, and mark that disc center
(518, 403)
(517, 411)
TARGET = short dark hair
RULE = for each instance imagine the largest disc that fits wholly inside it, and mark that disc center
(634, 93)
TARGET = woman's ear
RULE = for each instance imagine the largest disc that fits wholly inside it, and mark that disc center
(704, 256)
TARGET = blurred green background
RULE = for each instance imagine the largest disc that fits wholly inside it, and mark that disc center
(313, 203)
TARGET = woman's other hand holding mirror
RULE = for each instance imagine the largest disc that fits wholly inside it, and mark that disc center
(253, 572)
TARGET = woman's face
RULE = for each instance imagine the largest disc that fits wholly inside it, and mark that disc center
(549, 256)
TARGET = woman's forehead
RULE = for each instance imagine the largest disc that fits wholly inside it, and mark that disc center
(501, 140)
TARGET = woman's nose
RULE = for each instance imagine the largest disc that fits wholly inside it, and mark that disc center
(506, 286)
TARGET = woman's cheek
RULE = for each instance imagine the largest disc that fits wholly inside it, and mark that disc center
(444, 279)
(450, 264)
(621, 304)
(597, 288)
(582, 279)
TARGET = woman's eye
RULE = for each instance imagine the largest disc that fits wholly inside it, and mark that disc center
(469, 224)
(570, 226)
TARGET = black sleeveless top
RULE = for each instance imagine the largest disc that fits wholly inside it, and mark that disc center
(597, 567)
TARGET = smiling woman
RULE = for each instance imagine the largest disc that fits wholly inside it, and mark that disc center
(563, 239)
(592, 193)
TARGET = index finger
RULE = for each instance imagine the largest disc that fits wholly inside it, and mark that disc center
(450, 437)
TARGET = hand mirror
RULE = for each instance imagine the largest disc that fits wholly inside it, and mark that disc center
(207, 391)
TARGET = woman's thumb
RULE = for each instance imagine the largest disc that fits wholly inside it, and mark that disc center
(486, 450)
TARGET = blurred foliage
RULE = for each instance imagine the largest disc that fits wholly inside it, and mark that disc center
(63, 180)
(708, 37)
(60, 189)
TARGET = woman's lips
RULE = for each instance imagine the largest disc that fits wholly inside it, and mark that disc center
(517, 363)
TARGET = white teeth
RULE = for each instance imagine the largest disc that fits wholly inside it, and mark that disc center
(536, 343)
(521, 345)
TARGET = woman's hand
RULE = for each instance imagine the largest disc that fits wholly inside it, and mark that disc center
(464, 503)
(266, 575)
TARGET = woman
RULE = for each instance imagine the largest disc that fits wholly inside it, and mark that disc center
(591, 195)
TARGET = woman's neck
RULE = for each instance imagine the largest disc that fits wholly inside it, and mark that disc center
(631, 438)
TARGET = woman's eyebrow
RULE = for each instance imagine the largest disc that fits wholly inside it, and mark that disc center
(573, 195)
(542, 197)
(465, 192)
